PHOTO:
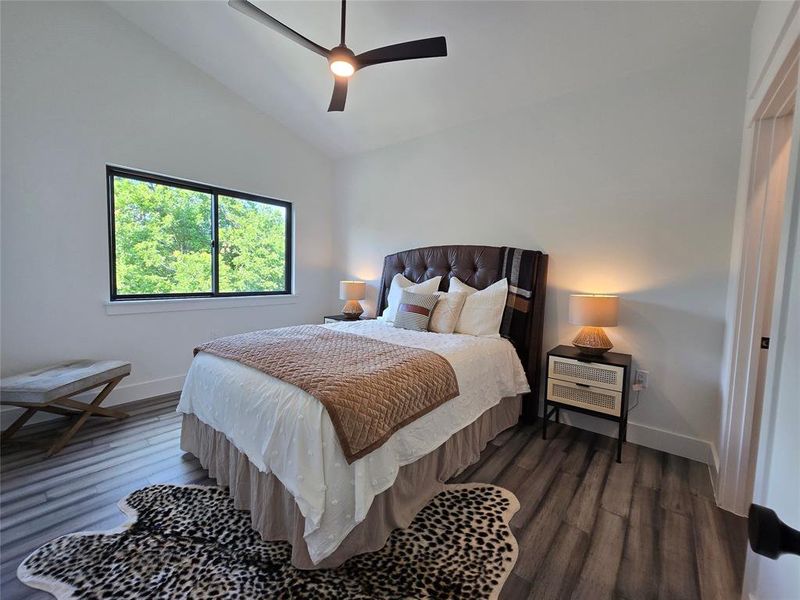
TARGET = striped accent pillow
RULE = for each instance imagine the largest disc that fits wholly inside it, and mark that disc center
(415, 310)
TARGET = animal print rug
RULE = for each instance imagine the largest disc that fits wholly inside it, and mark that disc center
(190, 541)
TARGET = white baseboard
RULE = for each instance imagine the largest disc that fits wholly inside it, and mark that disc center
(651, 437)
(643, 435)
(122, 394)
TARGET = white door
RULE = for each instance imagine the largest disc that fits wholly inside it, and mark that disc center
(766, 220)
(777, 471)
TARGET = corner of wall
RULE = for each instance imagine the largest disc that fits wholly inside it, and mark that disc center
(713, 468)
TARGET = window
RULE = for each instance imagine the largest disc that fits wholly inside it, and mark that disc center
(172, 239)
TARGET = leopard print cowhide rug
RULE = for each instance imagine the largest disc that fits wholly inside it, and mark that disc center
(190, 542)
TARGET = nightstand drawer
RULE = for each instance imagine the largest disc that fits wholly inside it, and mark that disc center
(591, 398)
(586, 373)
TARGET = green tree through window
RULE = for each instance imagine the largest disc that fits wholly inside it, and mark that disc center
(252, 246)
(163, 239)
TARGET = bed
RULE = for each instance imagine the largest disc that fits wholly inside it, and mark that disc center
(280, 453)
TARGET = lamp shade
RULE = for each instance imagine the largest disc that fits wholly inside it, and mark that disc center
(593, 310)
(352, 290)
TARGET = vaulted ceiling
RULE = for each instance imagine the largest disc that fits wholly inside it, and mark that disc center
(502, 56)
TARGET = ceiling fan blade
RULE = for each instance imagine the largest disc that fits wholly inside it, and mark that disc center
(427, 48)
(339, 95)
(252, 11)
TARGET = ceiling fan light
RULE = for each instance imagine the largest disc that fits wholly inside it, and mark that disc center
(342, 68)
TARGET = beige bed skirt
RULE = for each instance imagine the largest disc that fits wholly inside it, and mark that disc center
(275, 515)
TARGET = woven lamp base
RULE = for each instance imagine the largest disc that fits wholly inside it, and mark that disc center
(352, 310)
(593, 341)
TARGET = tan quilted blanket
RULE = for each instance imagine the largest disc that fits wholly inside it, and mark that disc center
(370, 388)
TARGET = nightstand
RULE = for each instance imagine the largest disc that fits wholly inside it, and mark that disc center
(341, 317)
(592, 385)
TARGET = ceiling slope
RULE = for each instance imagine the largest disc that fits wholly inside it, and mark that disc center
(502, 55)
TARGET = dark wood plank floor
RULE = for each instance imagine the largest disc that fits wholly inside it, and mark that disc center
(588, 527)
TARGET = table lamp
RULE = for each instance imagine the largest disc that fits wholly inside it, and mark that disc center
(352, 291)
(593, 312)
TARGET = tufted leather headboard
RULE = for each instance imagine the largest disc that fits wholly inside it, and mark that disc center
(479, 267)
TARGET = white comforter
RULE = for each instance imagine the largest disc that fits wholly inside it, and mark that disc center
(284, 430)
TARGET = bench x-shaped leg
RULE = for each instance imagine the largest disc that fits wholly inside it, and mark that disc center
(69, 408)
(88, 410)
(30, 410)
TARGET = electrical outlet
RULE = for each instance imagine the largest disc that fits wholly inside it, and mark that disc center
(642, 377)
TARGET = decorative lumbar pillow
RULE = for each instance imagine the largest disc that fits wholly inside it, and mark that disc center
(446, 312)
(415, 310)
(483, 310)
(400, 283)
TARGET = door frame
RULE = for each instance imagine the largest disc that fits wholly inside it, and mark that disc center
(739, 431)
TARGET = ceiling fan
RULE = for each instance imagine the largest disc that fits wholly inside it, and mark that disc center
(343, 61)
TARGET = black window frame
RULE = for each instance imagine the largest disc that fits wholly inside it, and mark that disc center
(215, 192)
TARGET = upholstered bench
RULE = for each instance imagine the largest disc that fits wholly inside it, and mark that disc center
(52, 389)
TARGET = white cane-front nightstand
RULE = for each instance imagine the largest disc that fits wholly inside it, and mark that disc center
(593, 385)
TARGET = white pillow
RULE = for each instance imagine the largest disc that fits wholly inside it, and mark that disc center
(400, 283)
(446, 312)
(483, 310)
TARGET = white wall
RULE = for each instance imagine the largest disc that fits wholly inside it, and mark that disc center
(629, 187)
(82, 87)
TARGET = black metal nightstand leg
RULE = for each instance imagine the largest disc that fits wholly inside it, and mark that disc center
(544, 422)
(620, 440)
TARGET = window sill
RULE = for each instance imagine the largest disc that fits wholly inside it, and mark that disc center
(132, 307)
